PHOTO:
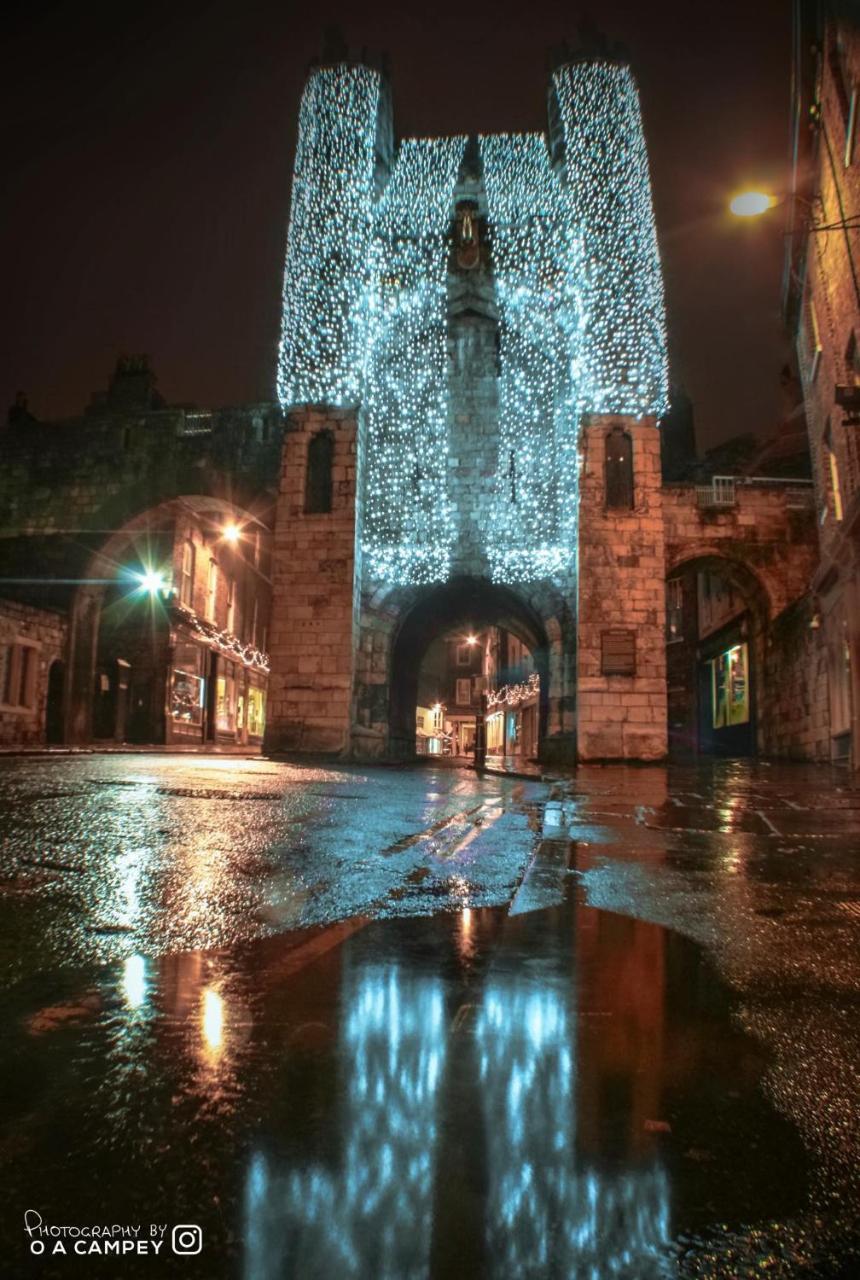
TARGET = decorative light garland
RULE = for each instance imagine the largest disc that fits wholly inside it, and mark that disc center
(409, 522)
(224, 641)
(577, 275)
(609, 187)
(538, 272)
(326, 276)
(513, 695)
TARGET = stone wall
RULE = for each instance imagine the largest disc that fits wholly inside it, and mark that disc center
(43, 633)
(794, 719)
(316, 593)
(621, 588)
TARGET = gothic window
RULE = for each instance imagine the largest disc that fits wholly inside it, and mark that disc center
(318, 478)
(619, 470)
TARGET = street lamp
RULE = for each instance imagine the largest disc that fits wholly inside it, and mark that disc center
(152, 581)
(231, 533)
(752, 204)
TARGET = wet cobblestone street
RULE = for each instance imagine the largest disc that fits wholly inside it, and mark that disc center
(402, 1023)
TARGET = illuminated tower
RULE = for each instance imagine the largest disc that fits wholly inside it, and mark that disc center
(459, 314)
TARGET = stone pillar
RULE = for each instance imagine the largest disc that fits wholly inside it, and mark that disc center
(84, 618)
(316, 572)
(622, 592)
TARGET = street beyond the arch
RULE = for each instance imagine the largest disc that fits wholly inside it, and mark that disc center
(395, 1022)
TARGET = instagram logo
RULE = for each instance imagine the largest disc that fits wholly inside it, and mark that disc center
(187, 1239)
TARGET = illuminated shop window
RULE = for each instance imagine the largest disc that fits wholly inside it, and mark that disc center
(730, 687)
(225, 699)
(256, 711)
(187, 697)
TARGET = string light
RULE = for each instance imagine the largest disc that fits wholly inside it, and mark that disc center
(607, 178)
(580, 299)
(409, 520)
(537, 261)
(328, 240)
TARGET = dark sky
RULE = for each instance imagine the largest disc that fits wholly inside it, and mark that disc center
(149, 150)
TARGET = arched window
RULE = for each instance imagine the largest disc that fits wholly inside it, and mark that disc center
(619, 470)
(318, 478)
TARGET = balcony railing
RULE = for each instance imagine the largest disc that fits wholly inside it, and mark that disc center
(722, 492)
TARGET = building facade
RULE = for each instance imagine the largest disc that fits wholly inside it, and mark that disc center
(822, 298)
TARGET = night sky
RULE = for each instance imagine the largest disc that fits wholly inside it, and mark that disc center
(148, 155)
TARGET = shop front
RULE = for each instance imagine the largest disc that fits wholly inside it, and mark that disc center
(216, 689)
(726, 721)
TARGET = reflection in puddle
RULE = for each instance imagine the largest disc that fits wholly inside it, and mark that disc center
(545, 1213)
(374, 1217)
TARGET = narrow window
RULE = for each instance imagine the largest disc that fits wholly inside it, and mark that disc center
(212, 591)
(318, 478)
(813, 341)
(186, 579)
(619, 470)
(835, 485)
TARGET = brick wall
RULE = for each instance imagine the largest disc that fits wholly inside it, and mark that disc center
(621, 587)
(43, 633)
(316, 594)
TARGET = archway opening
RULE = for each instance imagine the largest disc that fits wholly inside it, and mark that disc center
(470, 661)
(716, 619)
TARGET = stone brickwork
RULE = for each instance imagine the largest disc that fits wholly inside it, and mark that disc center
(794, 716)
(23, 701)
(823, 311)
(316, 593)
(621, 587)
(770, 531)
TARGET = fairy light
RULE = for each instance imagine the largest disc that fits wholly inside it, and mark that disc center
(328, 240)
(580, 298)
(537, 261)
(607, 178)
(409, 521)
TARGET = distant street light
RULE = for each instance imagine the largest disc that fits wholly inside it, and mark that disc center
(231, 533)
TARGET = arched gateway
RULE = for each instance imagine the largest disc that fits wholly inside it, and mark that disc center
(462, 316)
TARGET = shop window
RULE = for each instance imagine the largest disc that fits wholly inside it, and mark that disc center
(730, 687)
(619, 470)
(318, 479)
(186, 576)
(188, 688)
(18, 676)
(674, 610)
(225, 698)
(256, 711)
(212, 592)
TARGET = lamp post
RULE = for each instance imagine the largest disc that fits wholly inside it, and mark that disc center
(752, 204)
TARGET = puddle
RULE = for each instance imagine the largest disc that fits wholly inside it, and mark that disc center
(552, 1094)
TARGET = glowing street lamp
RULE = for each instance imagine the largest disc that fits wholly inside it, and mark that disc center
(751, 204)
(471, 639)
(151, 581)
(231, 533)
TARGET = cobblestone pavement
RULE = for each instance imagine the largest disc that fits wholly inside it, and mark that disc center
(396, 1023)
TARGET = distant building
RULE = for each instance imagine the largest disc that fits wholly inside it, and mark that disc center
(822, 303)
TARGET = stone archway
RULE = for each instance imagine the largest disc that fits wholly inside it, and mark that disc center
(399, 629)
(697, 642)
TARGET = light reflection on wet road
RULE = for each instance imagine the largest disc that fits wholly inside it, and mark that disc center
(411, 1023)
